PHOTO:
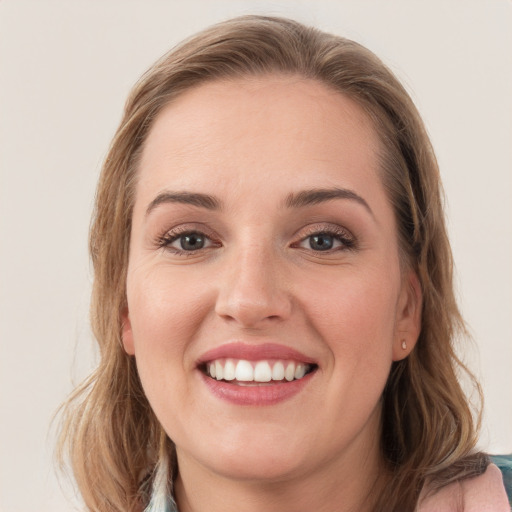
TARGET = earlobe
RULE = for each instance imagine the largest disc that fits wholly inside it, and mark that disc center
(408, 320)
(127, 333)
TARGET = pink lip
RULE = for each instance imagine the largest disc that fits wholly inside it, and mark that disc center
(256, 395)
(269, 394)
(249, 352)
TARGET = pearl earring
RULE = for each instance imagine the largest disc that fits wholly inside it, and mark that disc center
(404, 345)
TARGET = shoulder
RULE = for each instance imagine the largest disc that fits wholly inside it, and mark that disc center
(484, 493)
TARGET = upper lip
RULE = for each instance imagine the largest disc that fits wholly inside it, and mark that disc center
(254, 352)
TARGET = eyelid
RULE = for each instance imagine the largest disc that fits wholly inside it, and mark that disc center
(333, 229)
(176, 238)
(343, 234)
(169, 236)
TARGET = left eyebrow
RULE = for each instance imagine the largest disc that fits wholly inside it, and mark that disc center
(320, 195)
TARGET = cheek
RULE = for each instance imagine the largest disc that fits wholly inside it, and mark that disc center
(353, 306)
(355, 317)
(162, 305)
(165, 314)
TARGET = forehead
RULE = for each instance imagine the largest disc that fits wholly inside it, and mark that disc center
(260, 131)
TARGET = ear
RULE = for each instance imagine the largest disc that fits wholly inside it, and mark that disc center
(127, 333)
(408, 316)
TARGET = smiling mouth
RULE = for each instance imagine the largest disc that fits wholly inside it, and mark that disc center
(265, 372)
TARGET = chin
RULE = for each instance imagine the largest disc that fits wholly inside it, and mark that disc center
(250, 455)
(257, 467)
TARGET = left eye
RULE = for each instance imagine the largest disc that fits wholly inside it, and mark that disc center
(322, 242)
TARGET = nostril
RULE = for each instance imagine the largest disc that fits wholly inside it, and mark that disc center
(251, 313)
(250, 292)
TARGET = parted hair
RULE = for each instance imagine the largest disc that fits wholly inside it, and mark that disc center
(109, 433)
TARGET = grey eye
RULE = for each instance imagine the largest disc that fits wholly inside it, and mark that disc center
(325, 241)
(321, 242)
(187, 241)
(191, 241)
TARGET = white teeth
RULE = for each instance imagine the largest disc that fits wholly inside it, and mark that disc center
(278, 371)
(289, 373)
(244, 371)
(300, 371)
(219, 370)
(229, 370)
(262, 372)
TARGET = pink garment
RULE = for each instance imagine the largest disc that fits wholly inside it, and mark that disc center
(484, 493)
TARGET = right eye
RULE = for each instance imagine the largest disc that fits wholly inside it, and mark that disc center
(191, 241)
(186, 242)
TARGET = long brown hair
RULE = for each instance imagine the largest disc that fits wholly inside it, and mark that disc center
(429, 433)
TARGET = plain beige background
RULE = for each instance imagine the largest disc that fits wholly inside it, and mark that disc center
(65, 70)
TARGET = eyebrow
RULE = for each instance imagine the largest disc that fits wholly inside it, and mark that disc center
(293, 200)
(192, 198)
(320, 195)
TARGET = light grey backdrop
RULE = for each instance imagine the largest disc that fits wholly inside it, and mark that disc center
(65, 70)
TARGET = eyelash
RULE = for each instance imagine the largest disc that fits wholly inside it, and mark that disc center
(348, 242)
(165, 241)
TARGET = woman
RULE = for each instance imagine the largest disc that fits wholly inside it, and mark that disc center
(273, 292)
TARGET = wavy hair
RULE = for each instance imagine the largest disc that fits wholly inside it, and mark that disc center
(109, 432)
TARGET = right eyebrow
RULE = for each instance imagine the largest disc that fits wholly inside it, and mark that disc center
(192, 198)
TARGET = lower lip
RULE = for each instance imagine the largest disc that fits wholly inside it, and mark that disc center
(268, 394)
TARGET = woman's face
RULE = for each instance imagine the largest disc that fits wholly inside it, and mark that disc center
(265, 298)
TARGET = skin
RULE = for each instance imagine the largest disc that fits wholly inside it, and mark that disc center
(484, 493)
(251, 143)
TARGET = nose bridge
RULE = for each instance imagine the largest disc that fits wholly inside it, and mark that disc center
(252, 288)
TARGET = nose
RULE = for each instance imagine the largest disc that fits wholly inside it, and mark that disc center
(253, 291)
